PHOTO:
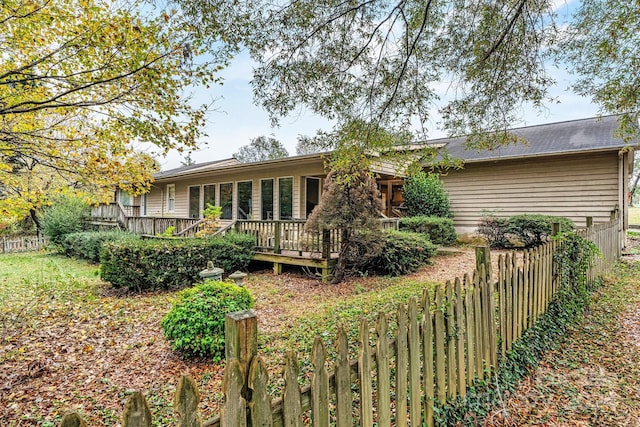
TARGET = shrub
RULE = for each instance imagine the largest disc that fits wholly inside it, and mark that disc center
(424, 195)
(494, 229)
(526, 230)
(66, 215)
(88, 244)
(171, 263)
(439, 231)
(403, 252)
(195, 323)
(533, 230)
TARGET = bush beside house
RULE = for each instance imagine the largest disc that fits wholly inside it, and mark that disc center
(403, 252)
(425, 195)
(527, 230)
(439, 230)
(171, 263)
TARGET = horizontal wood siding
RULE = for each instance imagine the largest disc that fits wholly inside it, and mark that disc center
(576, 187)
(156, 199)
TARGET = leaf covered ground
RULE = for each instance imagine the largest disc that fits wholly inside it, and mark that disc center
(593, 377)
(70, 342)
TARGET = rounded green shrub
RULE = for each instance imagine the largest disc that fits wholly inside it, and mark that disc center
(440, 231)
(195, 323)
(403, 252)
(425, 195)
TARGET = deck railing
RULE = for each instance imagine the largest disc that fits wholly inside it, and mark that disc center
(291, 237)
(116, 214)
(273, 236)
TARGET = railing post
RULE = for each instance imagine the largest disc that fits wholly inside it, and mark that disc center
(276, 237)
(483, 257)
(241, 342)
(326, 244)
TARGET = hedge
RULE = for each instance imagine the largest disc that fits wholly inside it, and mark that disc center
(172, 263)
(439, 230)
(88, 244)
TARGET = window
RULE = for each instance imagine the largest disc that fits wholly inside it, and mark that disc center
(194, 201)
(144, 204)
(125, 198)
(209, 195)
(171, 197)
(313, 194)
(245, 201)
(266, 199)
(285, 197)
(226, 200)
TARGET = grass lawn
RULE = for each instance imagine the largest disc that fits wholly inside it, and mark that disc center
(634, 215)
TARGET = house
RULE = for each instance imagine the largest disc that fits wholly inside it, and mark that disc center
(576, 168)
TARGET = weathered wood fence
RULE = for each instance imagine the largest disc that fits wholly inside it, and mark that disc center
(440, 344)
(22, 244)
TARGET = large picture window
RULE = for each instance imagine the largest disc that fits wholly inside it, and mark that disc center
(194, 201)
(313, 194)
(285, 197)
(171, 197)
(266, 199)
(245, 201)
(209, 195)
(226, 200)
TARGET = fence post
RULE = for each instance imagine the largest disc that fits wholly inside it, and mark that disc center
(483, 257)
(589, 221)
(556, 229)
(4, 244)
(614, 214)
(241, 342)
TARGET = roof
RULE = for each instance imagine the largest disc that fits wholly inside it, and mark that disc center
(232, 165)
(196, 167)
(574, 136)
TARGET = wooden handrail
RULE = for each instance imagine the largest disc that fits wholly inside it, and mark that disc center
(225, 228)
(189, 228)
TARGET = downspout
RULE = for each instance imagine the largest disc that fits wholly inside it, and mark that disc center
(622, 194)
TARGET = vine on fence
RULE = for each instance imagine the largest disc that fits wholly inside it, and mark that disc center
(572, 260)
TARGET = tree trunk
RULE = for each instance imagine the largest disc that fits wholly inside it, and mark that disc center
(341, 266)
(34, 217)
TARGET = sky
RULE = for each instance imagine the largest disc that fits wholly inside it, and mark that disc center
(237, 119)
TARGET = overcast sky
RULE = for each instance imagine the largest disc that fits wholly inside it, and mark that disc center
(237, 120)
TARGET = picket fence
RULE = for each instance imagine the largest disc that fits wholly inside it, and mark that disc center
(440, 344)
(22, 244)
